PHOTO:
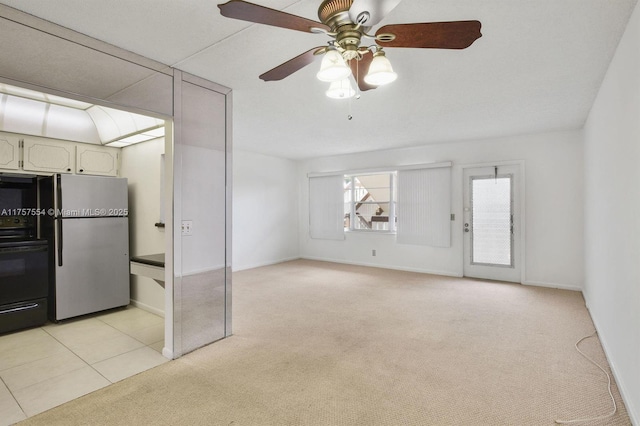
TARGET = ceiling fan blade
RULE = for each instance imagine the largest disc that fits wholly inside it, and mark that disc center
(291, 66)
(246, 11)
(370, 12)
(359, 69)
(435, 35)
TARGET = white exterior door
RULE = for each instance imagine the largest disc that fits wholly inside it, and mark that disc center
(492, 223)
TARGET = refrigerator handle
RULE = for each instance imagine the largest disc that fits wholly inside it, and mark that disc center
(57, 191)
(57, 205)
(58, 239)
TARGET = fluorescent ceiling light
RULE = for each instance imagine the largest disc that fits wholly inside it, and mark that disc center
(43, 97)
(156, 133)
(39, 114)
(147, 135)
(118, 144)
(136, 139)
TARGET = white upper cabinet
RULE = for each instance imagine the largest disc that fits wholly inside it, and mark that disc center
(42, 155)
(56, 156)
(96, 160)
(9, 152)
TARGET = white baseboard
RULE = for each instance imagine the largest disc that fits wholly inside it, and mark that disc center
(236, 268)
(147, 308)
(571, 287)
(559, 286)
(393, 267)
(167, 353)
(632, 408)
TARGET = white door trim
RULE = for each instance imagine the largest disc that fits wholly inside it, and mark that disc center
(522, 205)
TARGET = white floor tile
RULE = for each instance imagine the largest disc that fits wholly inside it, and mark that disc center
(21, 338)
(126, 365)
(10, 411)
(92, 352)
(27, 346)
(58, 390)
(148, 335)
(132, 320)
(44, 367)
(157, 346)
(87, 330)
(26, 375)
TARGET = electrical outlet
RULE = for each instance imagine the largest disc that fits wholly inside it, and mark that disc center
(373, 252)
(187, 227)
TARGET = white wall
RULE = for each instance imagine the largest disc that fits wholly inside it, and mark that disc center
(554, 224)
(265, 210)
(203, 205)
(612, 215)
(141, 166)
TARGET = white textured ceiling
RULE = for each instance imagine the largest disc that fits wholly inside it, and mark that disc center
(537, 68)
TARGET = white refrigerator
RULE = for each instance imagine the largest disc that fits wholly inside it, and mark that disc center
(90, 246)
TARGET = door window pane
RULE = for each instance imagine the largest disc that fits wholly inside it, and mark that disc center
(491, 221)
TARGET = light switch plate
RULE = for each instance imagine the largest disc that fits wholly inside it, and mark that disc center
(187, 227)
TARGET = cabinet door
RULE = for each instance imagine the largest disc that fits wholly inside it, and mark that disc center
(48, 156)
(9, 152)
(96, 160)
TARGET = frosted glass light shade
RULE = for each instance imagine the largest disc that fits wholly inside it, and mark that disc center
(341, 89)
(380, 71)
(333, 67)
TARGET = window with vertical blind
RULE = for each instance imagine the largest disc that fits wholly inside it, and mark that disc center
(413, 202)
(326, 207)
(424, 207)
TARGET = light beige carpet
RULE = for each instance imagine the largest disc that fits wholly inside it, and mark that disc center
(326, 344)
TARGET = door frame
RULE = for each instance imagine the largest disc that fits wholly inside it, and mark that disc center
(521, 204)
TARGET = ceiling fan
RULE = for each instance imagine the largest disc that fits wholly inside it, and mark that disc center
(348, 22)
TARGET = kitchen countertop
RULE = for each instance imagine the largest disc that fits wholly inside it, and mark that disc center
(150, 259)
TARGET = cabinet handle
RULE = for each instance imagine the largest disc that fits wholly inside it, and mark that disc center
(81, 170)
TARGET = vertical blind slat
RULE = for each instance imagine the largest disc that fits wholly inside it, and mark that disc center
(424, 207)
(326, 207)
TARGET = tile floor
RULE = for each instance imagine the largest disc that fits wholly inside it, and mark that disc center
(43, 367)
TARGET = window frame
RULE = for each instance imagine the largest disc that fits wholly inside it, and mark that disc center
(392, 176)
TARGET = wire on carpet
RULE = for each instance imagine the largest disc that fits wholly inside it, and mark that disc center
(606, 416)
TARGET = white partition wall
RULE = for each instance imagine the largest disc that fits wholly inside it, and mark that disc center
(197, 150)
(201, 253)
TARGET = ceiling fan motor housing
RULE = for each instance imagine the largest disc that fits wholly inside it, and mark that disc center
(335, 14)
(331, 9)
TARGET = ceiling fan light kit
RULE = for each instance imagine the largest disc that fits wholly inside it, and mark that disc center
(333, 67)
(347, 22)
(380, 70)
(341, 89)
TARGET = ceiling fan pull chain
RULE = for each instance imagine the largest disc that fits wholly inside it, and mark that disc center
(349, 116)
(358, 77)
